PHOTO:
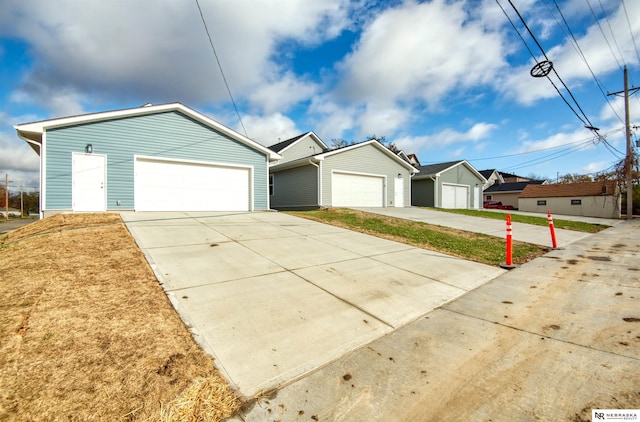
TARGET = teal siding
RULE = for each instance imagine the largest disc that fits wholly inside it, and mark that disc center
(167, 135)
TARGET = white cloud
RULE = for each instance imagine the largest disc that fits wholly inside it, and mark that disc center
(420, 52)
(595, 167)
(269, 130)
(282, 94)
(159, 52)
(445, 138)
(568, 63)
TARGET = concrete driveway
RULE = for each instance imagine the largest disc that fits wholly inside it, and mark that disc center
(538, 235)
(273, 297)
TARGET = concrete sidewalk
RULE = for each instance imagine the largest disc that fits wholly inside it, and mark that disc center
(538, 235)
(550, 340)
(273, 297)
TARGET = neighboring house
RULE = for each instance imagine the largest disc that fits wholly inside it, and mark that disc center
(153, 158)
(492, 176)
(455, 184)
(309, 175)
(409, 158)
(592, 199)
(508, 193)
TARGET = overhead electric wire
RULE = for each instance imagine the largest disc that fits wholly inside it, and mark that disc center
(586, 122)
(603, 34)
(613, 35)
(576, 46)
(220, 67)
(633, 38)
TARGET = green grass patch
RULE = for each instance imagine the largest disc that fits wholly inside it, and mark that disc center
(528, 219)
(472, 246)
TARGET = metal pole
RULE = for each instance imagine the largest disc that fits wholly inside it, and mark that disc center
(6, 196)
(627, 164)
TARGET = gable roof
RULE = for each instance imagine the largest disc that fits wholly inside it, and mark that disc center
(322, 155)
(512, 186)
(32, 132)
(375, 144)
(487, 173)
(281, 146)
(605, 188)
(432, 170)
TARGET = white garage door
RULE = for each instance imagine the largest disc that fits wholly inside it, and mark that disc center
(455, 196)
(182, 186)
(357, 190)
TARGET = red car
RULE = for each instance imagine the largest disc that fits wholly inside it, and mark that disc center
(497, 205)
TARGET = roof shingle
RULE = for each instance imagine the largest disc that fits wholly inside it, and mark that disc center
(569, 189)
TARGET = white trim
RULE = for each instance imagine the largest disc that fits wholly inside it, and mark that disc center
(42, 126)
(43, 176)
(250, 168)
(377, 145)
(458, 185)
(356, 173)
(310, 134)
(73, 174)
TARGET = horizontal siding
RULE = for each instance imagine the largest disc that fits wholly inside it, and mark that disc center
(461, 175)
(422, 193)
(370, 160)
(168, 135)
(305, 147)
(296, 187)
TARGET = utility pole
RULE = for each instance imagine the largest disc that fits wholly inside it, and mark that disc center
(629, 158)
(21, 201)
(6, 196)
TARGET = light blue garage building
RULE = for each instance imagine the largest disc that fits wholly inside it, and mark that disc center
(165, 157)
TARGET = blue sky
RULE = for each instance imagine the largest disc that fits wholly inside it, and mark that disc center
(446, 80)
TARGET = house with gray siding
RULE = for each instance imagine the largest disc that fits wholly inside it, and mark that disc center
(362, 175)
(165, 157)
(454, 184)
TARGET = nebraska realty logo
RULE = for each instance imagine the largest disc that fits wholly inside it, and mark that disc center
(615, 415)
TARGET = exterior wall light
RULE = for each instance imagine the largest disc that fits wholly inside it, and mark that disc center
(88, 148)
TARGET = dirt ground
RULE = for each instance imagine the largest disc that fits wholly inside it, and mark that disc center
(87, 333)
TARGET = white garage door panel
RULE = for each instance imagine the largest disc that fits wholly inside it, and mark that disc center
(355, 190)
(173, 186)
(455, 196)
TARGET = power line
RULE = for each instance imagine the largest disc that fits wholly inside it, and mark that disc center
(576, 46)
(220, 67)
(586, 122)
(633, 38)
(603, 35)
(606, 17)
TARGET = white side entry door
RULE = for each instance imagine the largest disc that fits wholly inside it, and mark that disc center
(88, 179)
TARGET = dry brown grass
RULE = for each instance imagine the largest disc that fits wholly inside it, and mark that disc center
(87, 333)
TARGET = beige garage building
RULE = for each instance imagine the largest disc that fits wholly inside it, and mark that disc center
(592, 199)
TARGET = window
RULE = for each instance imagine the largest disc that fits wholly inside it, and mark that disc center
(488, 197)
(576, 202)
(271, 184)
(542, 202)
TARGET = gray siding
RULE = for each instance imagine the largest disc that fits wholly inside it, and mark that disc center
(304, 147)
(461, 175)
(422, 193)
(169, 135)
(369, 160)
(295, 188)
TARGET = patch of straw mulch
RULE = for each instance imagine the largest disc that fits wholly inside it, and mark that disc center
(87, 333)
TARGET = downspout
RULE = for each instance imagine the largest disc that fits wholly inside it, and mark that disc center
(40, 194)
(319, 174)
